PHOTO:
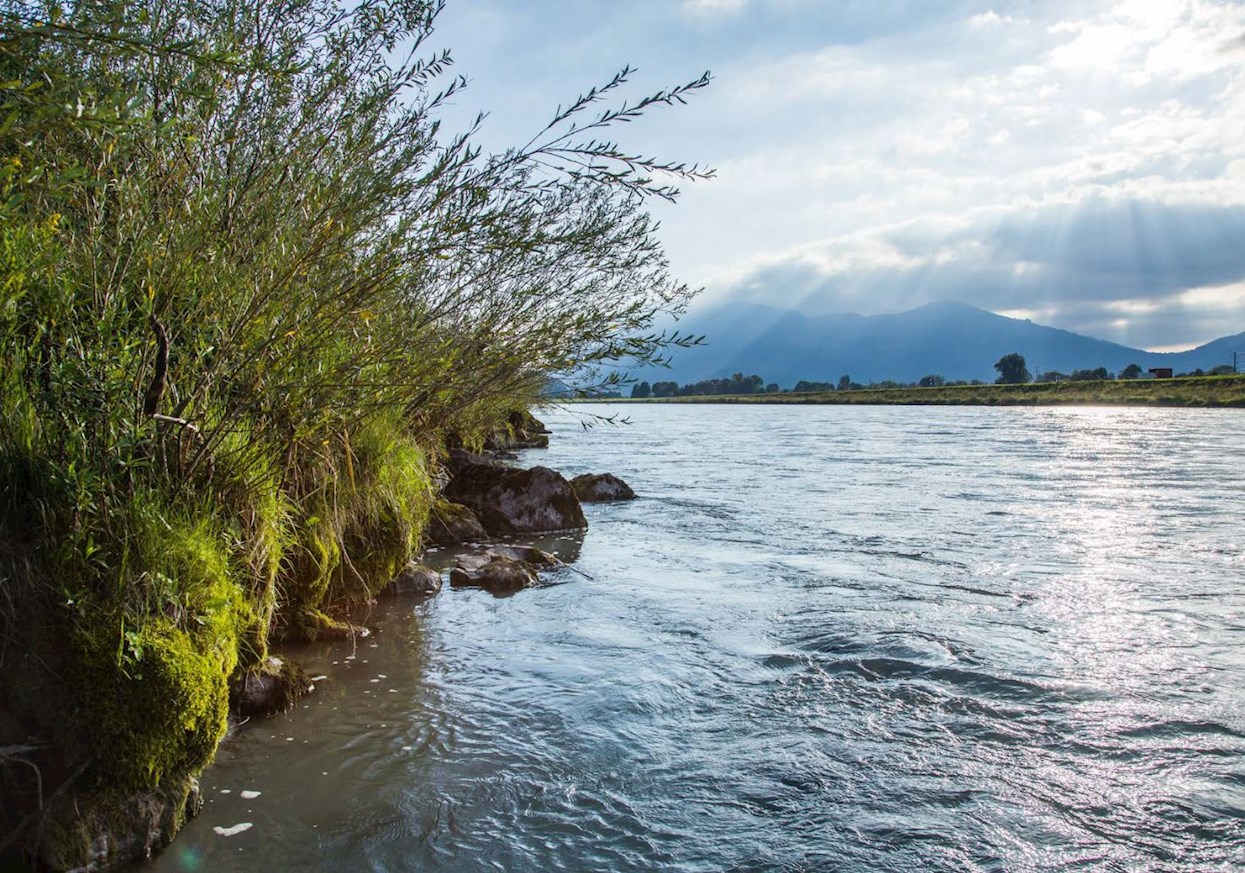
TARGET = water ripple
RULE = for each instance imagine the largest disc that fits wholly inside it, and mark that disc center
(823, 639)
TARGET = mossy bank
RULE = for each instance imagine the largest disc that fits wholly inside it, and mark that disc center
(250, 293)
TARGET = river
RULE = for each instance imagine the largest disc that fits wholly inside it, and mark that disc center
(822, 638)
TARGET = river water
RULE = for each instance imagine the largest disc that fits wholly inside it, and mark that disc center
(823, 638)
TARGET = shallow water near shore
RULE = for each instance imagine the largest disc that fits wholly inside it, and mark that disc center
(823, 638)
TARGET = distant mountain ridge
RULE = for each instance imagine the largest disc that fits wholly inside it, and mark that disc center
(953, 340)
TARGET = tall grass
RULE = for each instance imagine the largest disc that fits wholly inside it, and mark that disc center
(249, 287)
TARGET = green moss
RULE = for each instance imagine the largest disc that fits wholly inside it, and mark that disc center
(106, 826)
(377, 547)
(141, 637)
(309, 625)
(308, 570)
(160, 712)
(139, 650)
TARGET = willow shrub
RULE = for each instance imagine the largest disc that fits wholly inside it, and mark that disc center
(249, 286)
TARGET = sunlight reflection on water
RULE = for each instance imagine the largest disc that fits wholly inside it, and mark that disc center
(823, 638)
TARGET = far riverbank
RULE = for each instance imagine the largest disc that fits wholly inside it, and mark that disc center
(1204, 391)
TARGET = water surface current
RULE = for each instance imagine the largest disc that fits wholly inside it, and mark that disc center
(823, 638)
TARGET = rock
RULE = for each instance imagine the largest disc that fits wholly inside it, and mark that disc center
(270, 690)
(471, 563)
(510, 501)
(529, 555)
(457, 459)
(104, 827)
(498, 575)
(452, 524)
(310, 625)
(416, 579)
(341, 631)
(601, 488)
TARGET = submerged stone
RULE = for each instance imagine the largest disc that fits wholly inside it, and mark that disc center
(415, 579)
(529, 555)
(497, 574)
(601, 488)
(270, 690)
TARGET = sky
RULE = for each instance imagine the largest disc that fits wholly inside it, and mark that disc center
(1081, 164)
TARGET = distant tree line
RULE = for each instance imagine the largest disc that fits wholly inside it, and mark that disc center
(736, 384)
(741, 384)
(1012, 369)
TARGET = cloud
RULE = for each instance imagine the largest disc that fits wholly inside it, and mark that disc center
(1058, 165)
(988, 18)
(713, 7)
(1059, 157)
(1137, 271)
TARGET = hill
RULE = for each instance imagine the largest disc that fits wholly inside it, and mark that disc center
(953, 340)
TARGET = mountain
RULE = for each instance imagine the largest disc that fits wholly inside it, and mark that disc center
(953, 340)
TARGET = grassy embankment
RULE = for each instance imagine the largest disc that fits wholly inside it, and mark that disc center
(248, 292)
(1207, 391)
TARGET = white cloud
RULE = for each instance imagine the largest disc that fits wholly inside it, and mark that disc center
(1096, 46)
(830, 123)
(988, 19)
(1230, 296)
(713, 7)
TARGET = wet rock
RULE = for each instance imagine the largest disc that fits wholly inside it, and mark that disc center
(341, 631)
(102, 828)
(601, 488)
(310, 625)
(472, 563)
(496, 574)
(460, 458)
(270, 690)
(415, 579)
(529, 555)
(457, 459)
(512, 501)
(452, 524)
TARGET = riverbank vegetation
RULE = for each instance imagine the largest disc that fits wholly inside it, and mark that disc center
(250, 289)
(1210, 391)
(1012, 370)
